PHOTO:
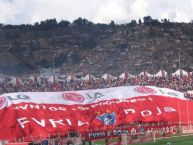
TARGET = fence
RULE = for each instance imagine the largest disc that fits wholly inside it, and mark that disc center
(122, 135)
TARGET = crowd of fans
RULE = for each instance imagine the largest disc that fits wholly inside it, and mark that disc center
(183, 84)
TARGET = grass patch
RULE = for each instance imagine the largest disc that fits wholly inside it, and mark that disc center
(183, 140)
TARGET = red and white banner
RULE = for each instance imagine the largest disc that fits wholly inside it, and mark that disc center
(43, 114)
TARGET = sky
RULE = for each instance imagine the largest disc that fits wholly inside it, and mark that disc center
(98, 11)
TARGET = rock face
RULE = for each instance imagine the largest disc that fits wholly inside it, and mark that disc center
(82, 46)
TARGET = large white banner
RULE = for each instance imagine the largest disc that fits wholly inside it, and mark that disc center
(86, 96)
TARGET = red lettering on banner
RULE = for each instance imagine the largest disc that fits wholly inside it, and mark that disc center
(22, 107)
(39, 107)
(68, 121)
(22, 121)
(80, 123)
(144, 90)
(146, 113)
(159, 111)
(3, 102)
(129, 110)
(35, 106)
(74, 97)
(41, 123)
(44, 122)
(169, 109)
(53, 122)
(149, 112)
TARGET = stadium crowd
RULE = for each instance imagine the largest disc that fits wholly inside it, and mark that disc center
(183, 84)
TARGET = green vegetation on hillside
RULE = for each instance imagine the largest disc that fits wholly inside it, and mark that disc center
(139, 45)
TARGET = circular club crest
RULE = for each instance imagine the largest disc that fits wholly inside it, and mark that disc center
(3, 102)
(74, 97)
(144, 90)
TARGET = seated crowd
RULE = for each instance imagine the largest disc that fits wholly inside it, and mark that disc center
(182, 84)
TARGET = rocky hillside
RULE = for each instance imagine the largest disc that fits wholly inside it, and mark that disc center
(82, 46)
